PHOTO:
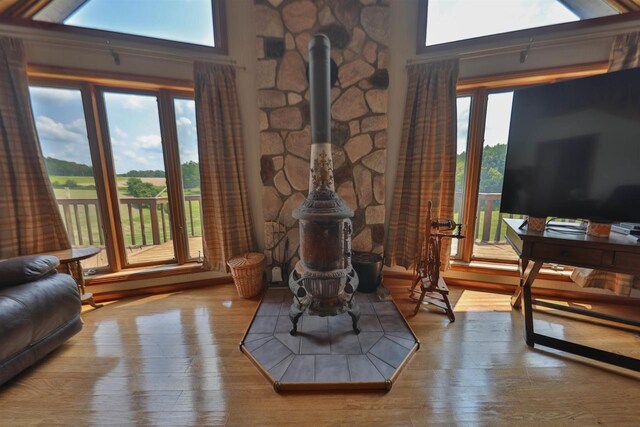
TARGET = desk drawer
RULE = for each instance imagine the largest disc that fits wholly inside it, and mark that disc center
(567, 254)
(628, 261)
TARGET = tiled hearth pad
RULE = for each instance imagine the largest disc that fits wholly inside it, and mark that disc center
(326, 354)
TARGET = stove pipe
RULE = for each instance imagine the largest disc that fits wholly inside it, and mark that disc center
(323, 281)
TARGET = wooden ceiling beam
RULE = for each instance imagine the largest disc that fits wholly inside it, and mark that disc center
(624, 6)
(22, 8)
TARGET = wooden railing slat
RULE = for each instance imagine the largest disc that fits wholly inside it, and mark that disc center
(191, 217)
(141, 218)
(132, 231)
(164, 224)
(78, 228)
(155, 229)
(88, 221)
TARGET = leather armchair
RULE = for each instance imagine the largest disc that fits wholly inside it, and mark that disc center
(39, 310)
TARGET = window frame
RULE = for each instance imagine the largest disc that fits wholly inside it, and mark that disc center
(92, 87)
(218, 8)
(531, 34)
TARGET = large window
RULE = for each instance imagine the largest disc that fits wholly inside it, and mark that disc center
(453, 20)
(464, 108)
(125, 171)
(174, 23)
(490, 230)
(136, 144)
(185, 111)
(447, 21)
(484, 116)
(62, 130)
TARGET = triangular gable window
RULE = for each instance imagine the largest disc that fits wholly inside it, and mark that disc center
(187, 21)
(454, 20)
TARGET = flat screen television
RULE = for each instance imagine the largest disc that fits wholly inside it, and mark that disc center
(574, 149)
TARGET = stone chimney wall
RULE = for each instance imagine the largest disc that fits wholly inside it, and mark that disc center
(359, 34)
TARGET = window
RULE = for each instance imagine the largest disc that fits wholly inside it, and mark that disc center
(463, 108)
(196, 22)
(125, 170)
(446, 21)
(489, 237)
(453, 20)
(62, 131)
(484, 116)
(185, 112)
(136, 146)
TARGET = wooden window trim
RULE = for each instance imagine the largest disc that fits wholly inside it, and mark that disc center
(218, 8)
(548, 31)
(60, 75)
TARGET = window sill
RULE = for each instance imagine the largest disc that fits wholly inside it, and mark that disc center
(144, 273)
(510, 270)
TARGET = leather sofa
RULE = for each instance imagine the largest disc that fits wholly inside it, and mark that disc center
(39, 310)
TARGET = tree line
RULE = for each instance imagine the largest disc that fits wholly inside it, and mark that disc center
(190, 171)
(491, 170)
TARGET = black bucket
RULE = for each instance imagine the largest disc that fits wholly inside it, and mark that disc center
(369, 268)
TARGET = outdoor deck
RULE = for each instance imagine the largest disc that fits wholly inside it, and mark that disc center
(162, 252)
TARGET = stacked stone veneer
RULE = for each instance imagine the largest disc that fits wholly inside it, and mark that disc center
(359, 34)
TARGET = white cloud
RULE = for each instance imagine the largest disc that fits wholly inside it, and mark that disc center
(183, 121)
(78, 126)
(120, 133)
(149, 141)
(55, 96)
(133, 157)
(49, 129)
(131, 102)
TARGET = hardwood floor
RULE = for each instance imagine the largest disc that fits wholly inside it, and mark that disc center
(174, 360)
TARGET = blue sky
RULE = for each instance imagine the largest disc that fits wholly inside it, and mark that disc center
(133, 126)
(475, 18)
(188, 21)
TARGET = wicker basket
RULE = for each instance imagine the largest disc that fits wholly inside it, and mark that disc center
(246, 270)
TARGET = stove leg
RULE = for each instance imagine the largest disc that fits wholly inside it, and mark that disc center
(355, 315)
(294, 320)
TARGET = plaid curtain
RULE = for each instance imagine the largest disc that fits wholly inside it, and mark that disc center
(227, 229)
(29, 221)
(427, 163)
(625, 53)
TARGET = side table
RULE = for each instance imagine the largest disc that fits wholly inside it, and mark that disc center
(70, 260)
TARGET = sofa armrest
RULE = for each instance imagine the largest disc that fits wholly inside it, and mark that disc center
(15, 271)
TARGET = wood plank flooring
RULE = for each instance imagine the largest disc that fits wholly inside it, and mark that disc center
(173, 359)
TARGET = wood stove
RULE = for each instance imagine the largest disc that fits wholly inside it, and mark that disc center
(323, 282)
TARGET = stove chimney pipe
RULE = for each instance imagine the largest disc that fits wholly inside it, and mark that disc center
(321, 173)
(323, 281)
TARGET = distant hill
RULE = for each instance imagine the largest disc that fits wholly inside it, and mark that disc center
(143, 174)
(65, 168)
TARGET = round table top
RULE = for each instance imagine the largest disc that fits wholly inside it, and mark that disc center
(74, 254)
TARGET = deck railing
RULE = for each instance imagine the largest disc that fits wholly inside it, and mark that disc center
(489, 224)
(145, 220)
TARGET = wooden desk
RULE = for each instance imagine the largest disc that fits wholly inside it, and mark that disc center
(70, 262)
(617, 253)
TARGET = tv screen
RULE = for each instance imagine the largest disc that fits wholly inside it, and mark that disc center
(574, 149)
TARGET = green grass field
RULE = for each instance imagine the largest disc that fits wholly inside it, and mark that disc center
(81, 180)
